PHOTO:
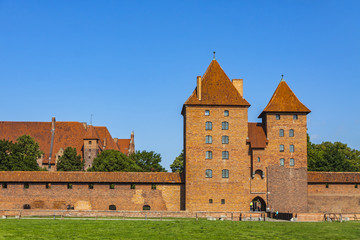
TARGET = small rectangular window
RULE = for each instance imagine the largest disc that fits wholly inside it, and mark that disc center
(326, 185)
(222, 201)
(225, 173)
(281, 132)
(225, 155)
(48, 185)
(291, 148)
(69, 185)
(281, 148)
(207, 112)
(208, 126)
(356, 186)
(226, 113)
(225, 126)
(26, 185)
(282, 162)
(292, 162)
(210, 201)
(132, 186)
(208, 155)
(89, 142)
(4, 185)
(208, 139)
(208, 173)
(91, 186)
(153, 186)
(112, 186)
(295, 117)
(277, 116)
(225, 140)
(291, 132)
(258, 159)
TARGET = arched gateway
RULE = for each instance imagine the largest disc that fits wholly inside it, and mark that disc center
(257, 204)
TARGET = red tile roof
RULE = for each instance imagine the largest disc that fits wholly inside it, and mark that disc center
(333, 177)
(256, 135)
(91, 177)
(124, 145)
(216, 89)
(103, 134)
(284, 100)
(91, 133)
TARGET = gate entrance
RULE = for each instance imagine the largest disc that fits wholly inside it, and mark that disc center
(257, 205)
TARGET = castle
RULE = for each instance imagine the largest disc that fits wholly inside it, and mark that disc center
(230, 164)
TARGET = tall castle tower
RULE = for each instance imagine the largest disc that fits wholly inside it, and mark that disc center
(91, 146)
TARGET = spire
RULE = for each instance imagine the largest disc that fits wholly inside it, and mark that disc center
(214, 55)
(284, 100)
(282, 77)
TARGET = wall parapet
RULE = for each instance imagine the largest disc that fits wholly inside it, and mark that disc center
(333, 177)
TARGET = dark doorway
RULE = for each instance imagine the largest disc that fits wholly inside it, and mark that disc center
(257, 205)
(146, 207)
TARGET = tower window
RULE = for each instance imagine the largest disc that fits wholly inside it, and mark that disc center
(291, 148)
(208, 173)
(258, 159)
(153, 186)
(210, 201)
(222, 201)
(208, 139)
(208, 155)
(89, 142)
(225, 155)
(277, 116)
(112, 186)
(226, 113)
(282, 162)
(292, 162)
(281, 148)
(225, 139)
(47, 185)
(69, 185)
(4, 185)
(208, 126)
(26, 185)
(132, 186)
(207, 112)
(225, 125)
(291, 132)
(91, 186)
(225, 173)
(295, 117)
(281, 132)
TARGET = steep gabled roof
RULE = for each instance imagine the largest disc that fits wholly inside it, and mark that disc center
(216, 89)
(104, 133)
(124, 145)
(284, 100)
(256, 135)
(91, 133)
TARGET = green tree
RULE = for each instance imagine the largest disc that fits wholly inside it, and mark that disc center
(70, 161)
(148, 161)
(113, 161)
(5, 155)
(332, 157)
(178, 164)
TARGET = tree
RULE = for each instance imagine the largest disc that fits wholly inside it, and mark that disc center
(332, 157)
(178, 164)
(20, 156)
(113, 161)
(148, 161)
(70, 161)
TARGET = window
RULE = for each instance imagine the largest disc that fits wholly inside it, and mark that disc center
(225, 126)
(356, 186)
(48, 185)
(146, 208)
(208, 126)
(226, 113)
(295, 117)
(281, 148)
(210, 201)
(277, 116)
(281, 132)
(69, 185)
(207, 112)
(258, 159)
(225, 140)
(292, 162)
(222, 201)
(225, 173)
(132, 186)
(327, 185)
(26, 185)
(282, 162)
(208, 173)
(91, 186)
(225, 155)
(112, 207)
(291, 132)
(26, 206)
(112, 186)
(208, 155)
(153, 186)
(4, 185)
(291, 148)
(208, 139)
(89, 142)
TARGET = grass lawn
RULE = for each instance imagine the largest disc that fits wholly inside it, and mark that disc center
(173, 229)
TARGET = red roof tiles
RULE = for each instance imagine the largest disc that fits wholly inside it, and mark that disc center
(284, 100)
(256, 135)
(333, 177)
(216, 89)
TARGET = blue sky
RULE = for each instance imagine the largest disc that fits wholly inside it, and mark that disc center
(132, 64)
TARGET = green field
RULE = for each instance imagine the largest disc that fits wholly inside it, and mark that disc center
(173, 229)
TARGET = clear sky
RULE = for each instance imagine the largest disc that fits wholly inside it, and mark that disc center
(132, 64)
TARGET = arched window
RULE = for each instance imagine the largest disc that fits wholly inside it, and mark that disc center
(291, 148)
(291, 132)
(208, 126)
(112, 207)
(281, 148)
(282, 161)
(208, 139)
(225, 139)
(281, 132)
(226, 113)
(208, 155)
(225, 126)
(225, 173)
(225, 155)
(208, 173)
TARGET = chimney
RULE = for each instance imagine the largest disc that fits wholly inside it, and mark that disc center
(104, 143)
(238, 84)
(85, 125)
(52, 139)
(199, 87)
(132, 143)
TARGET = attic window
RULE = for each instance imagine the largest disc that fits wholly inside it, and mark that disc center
(226, 113)
(207, 112)
(89, 142)
(277, 116)
(295, 117)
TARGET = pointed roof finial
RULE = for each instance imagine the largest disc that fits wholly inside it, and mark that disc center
(214, 55)
(282, 77)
